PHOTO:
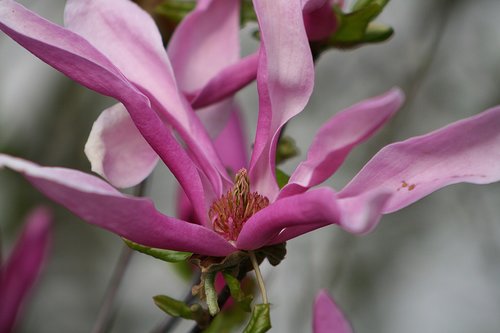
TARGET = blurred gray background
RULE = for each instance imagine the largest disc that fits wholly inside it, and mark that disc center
(433, 267)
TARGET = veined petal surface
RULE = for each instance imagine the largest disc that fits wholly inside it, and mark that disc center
(285, 80)
(338, 136)
(465, 151)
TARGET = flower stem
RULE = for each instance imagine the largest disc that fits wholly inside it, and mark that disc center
(258, 275)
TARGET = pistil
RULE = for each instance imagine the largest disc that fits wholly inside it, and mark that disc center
(229, 213)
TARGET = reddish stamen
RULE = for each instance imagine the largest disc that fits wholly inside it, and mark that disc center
(229, 213)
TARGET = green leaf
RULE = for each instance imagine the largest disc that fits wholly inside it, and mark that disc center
(165, 255)
(282, 178)
(360, 4)
(176, 308)
(260, 321)
(356, 28)
(211, 293)
(227, 321)
(237, 293)
(353, 25)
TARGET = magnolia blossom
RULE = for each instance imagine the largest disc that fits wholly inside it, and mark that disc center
(20, 271)
(327, 316)
(114, 48)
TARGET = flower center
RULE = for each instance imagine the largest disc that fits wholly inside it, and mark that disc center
(230, 212)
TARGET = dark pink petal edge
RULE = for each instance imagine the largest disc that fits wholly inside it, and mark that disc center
(133, 218)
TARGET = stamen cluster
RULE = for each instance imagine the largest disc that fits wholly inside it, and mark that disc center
(229, 213)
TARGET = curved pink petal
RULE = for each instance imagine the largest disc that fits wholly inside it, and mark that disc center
(75, 57)
(135, 219)
(227, 82)
(465, 151)
(339, 136)
(21, 270)
(205, 42)
(327, 316)
(358, 215)
(318, 207)
(285, 80)
(128, 36)
(117, 150)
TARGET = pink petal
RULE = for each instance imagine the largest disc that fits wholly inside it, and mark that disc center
(135, 219)
(21, 270)
(232, 148)
(285, 81)
(339, 136)
(327, 316)
(227, 82)
(75, 57)
(356, 215)
(128, 36)
(319, 19)
(117, 150)
(465, 151)
(318, 208)
(208, 35)
(231, 143)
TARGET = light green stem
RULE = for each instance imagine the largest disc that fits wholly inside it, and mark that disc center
(258, 275)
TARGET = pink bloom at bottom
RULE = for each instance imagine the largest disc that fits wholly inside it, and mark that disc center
(20, 271)
(327, 316)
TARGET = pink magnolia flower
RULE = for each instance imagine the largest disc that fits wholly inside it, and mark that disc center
(114, 48)
(20, 271)
(327, 316)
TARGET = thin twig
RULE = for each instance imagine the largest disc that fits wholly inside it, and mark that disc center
(105, 315)
(106, 312)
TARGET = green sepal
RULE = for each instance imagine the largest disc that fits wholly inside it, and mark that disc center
(175, 10)
(377, 32)
(210, 293)
(176, 308)
(237, 293)
(281, 178)
(218, 264)
(260, 321)
(165, 255)
(274, 253)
